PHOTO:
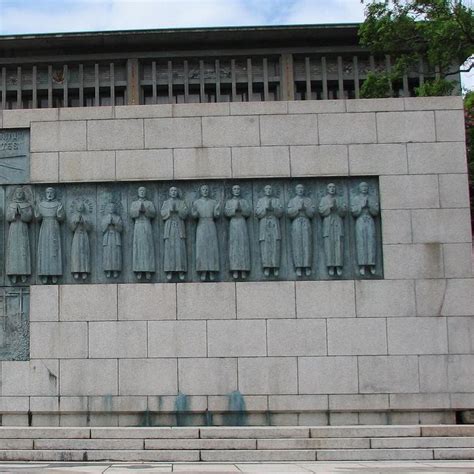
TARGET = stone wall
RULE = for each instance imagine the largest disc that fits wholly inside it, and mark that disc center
(397, 350)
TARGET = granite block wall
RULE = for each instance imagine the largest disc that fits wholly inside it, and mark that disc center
(397, 350)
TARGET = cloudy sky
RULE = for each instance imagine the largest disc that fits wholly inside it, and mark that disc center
(53, 16)
(47, 16)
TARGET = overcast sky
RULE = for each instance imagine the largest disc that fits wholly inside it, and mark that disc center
(53, 16)
(48, 16)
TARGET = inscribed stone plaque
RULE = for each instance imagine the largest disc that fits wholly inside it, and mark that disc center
(14, 156)
(14, 324)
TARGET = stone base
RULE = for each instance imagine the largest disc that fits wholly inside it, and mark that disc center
(207, 419)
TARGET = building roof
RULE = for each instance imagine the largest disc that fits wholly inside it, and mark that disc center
(179, 39)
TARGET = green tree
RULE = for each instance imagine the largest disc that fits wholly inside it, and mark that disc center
(439, 31)
(469, 122)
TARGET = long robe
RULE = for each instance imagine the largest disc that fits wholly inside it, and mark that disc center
(301, 232)
(239, 245)
(80, 248)
(50, 213)
(332, 210)
(363, 208)
(174, 212)
(207, 248)
(112, 227)
(18, 258)
(143, 246)
(269, 231)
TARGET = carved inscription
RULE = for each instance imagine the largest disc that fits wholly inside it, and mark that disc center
(216, 231)
(14, 156)
(14, 324)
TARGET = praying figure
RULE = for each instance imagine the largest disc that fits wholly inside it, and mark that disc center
(19, 214)
(332, 209)
(301, 210)
(112, 228)
(174, 212)
(238, 210)
(80, 248)
(364, 208)
(269, 211)
(143, 211)
(206, 210)
(50, 213)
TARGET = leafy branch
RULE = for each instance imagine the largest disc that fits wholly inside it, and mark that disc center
(441, 32)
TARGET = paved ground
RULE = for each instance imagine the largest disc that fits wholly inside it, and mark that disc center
(214, 468)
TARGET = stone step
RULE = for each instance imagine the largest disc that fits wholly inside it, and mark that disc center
(452, 454)
(228, 443)
(262, 455)
(255, 432)
(374, 454)
(38, 433)
(236, 455)
(99, 455)
(447, 430)
(16, 443)
(365, 431)
(264, 432)
(145, 433)
(314, 443)
(238, 444)
(427, 442)
(88, 444)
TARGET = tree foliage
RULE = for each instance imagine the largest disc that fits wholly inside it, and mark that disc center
(469, 122)
(440, 31)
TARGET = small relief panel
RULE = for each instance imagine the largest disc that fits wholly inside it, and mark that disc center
(191, 231)
(14, 324)
(14, 156)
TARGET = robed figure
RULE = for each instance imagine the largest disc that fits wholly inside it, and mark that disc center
(364, 208)
(332, 209)
(269, 211)
(206, 210)
(143, 212)
(112, 228)
(301, 210)
(50, 213)
(80, 248)
(174, 212)
(238, 210)
(18, 259)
